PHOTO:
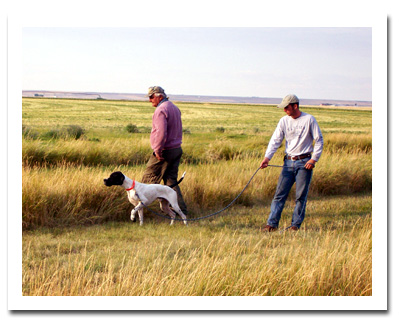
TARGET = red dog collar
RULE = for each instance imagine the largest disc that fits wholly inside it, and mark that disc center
(134, 183)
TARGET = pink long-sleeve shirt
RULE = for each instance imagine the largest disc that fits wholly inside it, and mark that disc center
(167, 128)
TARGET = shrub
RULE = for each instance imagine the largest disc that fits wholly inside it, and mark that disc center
(29, 133)
(74, 131)
(53, 134)
(130, 128)
(220, 129)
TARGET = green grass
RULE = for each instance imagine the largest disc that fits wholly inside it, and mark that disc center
(111, 117)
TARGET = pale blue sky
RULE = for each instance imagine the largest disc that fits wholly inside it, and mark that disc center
(314, 63)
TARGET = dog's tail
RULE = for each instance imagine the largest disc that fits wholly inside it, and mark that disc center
(180, 180)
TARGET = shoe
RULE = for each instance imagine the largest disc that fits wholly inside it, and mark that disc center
(268, 228)
(294, 228)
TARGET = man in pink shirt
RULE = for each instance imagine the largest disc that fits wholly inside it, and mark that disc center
(166, 140)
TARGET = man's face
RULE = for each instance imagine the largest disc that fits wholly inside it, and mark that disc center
(155, 100)
(291, 110)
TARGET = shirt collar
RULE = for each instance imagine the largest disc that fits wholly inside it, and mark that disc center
(164, 100)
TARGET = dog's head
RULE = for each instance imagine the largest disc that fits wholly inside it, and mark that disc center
(115, 179)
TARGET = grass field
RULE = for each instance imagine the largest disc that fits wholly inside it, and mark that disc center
(78, 239)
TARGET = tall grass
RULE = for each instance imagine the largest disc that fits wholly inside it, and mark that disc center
(208, 148)
(76, 195)
(86, 153)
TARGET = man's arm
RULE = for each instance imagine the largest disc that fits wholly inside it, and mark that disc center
(274, 144)
(159, 133)
(318, 146)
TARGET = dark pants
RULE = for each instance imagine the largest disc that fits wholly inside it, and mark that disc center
(166, 171)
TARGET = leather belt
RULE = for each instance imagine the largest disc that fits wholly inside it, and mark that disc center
(299, 157)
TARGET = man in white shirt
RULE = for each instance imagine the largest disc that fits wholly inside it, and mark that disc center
(299, 130)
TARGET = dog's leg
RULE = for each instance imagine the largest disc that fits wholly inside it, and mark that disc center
(141, 216)
(133, 215)
(173, 202)
(172, 214)
(162, 204)
(182, 216)
(139, 209)
(177, 209)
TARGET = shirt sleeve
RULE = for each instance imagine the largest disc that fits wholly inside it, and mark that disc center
(318, 138)
(159, 131)
(275, 141)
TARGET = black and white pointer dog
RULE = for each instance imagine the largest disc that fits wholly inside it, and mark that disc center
(141, 193)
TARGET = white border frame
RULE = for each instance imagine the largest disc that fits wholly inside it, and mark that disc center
(370, 17)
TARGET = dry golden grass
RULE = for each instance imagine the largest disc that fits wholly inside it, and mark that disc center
(159, 260)
(76, 195)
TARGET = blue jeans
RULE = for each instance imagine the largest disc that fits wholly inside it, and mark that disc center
(293, 171)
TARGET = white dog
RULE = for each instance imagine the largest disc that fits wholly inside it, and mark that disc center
(141, 193)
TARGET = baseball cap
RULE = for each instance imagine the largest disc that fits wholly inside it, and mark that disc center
(289, 99)
(155, 89)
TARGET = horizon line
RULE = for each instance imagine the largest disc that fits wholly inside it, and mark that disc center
(188, 95)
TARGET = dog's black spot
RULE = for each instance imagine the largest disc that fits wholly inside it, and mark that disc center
(115, 179)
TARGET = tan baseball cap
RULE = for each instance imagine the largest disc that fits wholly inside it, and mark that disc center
(155, 89)
(289, 99)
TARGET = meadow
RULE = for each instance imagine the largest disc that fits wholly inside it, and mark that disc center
(78, 238)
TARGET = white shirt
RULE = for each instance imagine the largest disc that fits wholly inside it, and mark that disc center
(299, 135)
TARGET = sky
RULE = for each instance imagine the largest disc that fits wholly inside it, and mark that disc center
(314, 62)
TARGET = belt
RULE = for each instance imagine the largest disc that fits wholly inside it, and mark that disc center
(299, 157)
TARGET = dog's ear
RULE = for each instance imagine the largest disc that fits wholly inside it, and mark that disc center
(120, 176)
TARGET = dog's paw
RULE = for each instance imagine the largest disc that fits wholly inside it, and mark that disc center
(133, 218)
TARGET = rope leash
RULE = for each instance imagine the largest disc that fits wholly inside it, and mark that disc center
(213, 214)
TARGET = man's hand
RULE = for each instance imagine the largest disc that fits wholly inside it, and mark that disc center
(310, 164)
(265, 163)
(159, 156)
